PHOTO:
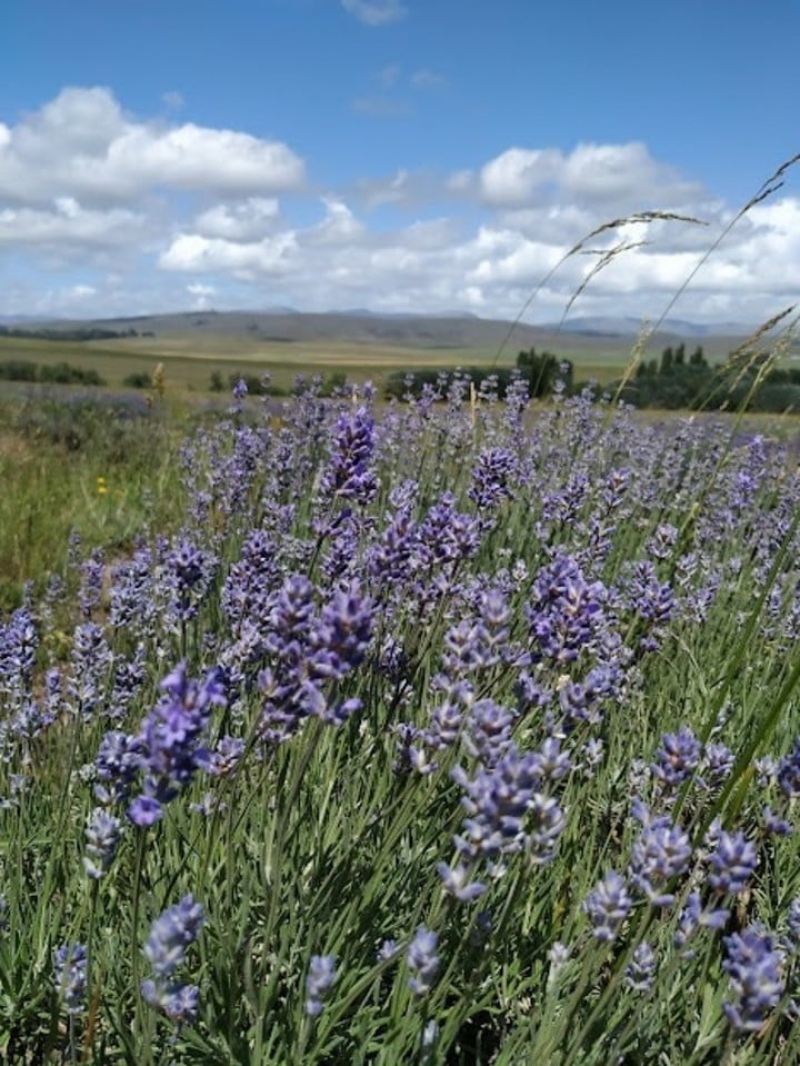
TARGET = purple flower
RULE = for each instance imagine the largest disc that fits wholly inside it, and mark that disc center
(190, 572)
(91, 583)
(102, 838)
(774, 824)
(718, 762)
(677, 758)
(754, 965)
(793, 922)
(116, 767)
(349, 475)
(340, 638)
(422, 960)
(491, 476)
(171, 934)
(608, 905)
(170, 749)
(456, 881)
(388, 950)
(310, 651)
(71, 961)
(789, 773)
(165, 950)
(179, 1002)
(320, 980)
(662, 852)
(641, 969)
(733, 862)
(497, 800)
(90, 667)
(566, 611)
(693, 917)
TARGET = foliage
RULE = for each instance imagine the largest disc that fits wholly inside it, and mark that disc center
(428, 735)
(674, 382)
(49, 374)
(76, 333)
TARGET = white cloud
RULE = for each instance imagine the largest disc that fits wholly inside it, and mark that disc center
(190, 253)
(81, 144)
(103, 213)
(67, 224)
(339, 227)
(253, 218)
(376, 12)
(201, 295)
(603, 174)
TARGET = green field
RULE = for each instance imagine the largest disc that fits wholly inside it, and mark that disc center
(189, 360)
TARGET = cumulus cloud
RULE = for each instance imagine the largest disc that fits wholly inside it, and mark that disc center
(251, 219)
(112, 214)
(66, 223)
(376, 12)
(82, 144)
(600, 174)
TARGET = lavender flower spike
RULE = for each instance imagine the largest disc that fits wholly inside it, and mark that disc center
(102, 837)
(733, 862)
(170, 935)
(70, 976)
(754, 964)
(608, 905)
(422, 960)
(321, 977)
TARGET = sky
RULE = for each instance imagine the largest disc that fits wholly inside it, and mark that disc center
(423, 156)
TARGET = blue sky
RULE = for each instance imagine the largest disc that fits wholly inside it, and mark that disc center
(392, 154)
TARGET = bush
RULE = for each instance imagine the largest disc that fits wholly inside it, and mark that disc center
(65, 374)
(18, 370)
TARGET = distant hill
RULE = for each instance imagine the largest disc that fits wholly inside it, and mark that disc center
(287, 326)
(607, 326)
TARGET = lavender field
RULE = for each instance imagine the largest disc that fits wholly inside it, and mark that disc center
(439, 732)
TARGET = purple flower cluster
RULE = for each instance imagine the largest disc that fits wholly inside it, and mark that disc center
(165, 950)
(754, 964)
(170, 747)
(308, 651)
(661, 853)
(102, 839)
(509, 811)
(71, 974)
(565, 612)
(350, 475)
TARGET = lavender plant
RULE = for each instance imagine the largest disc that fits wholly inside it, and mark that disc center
(465, 735)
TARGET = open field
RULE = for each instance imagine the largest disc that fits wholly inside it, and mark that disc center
(190, 361)
(193, 346)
